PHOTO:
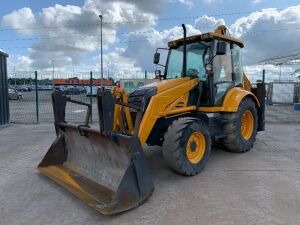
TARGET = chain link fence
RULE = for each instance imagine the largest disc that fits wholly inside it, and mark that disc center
(283, 91)
(30, 95)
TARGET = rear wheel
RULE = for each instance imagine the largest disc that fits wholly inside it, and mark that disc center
(187, 146)
(240, 128)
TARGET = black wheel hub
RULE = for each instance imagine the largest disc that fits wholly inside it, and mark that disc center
(193, 146)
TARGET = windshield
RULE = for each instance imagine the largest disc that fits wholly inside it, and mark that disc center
(196, 54)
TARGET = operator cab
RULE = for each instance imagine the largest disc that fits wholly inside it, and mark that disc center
(214, 58)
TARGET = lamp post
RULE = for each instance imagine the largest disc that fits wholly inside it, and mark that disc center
(53, 72)
(107, 72)
(101, 52)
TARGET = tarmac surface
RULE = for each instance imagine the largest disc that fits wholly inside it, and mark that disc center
(258, 187)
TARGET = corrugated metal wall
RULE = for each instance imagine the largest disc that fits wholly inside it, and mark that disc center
(4, 105)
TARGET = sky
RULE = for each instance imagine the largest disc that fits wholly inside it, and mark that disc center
(39, 34)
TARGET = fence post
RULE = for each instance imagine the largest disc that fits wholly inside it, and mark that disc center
(36, 97)
(264, 75)
(91, 95)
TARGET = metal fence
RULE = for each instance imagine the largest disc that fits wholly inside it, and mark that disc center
(283, 92)
(33, 101)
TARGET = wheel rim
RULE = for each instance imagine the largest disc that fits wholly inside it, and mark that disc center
(195, 147)
(247, 124)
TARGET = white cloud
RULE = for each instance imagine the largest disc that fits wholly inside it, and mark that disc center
(19, 63)
(268, 33)
(210, 1)
(19, 19)
(255, 30)
(207, 23)
(117, 62)
(189, 3)
(76, 28)
(142, 52)
(257, 1)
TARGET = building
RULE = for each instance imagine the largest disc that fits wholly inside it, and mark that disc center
(4, 105)
(76, 81)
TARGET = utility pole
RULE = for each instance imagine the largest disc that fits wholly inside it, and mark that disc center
(53, 72)
(101, 53)
(279, 72)
(15, 75)
(107, 71)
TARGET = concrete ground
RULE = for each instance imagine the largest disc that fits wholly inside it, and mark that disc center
(258, 187)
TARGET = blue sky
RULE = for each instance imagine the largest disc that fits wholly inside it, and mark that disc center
(125, 56)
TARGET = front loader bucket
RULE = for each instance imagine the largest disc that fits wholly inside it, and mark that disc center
(107, 170)
(110, 174)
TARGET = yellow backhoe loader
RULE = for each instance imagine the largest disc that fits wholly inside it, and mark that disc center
(202, 97)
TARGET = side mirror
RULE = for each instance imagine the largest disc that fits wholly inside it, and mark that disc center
(156, 58)
(221, 48)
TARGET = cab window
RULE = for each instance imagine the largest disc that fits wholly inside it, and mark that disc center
(196, 53)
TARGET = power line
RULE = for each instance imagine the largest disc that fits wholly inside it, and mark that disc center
(283, 56)
(125, 33)
(135, 21)
(131, 41)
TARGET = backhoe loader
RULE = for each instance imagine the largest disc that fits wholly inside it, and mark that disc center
(202, 97)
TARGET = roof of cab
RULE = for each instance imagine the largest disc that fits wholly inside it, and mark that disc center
(206, 37)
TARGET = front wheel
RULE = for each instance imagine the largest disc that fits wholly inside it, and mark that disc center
(187, 146)
(240, 128)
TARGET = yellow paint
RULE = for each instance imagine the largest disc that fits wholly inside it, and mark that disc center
(118, 125)
(178, 111)
(63, 176)
(247, 125)
(178, 104)
(118, 92)
(168, 91)
(217, 109)
(207, 37)
(236, 95)
(232, 101)
(246, 83)
(58, 173)
(167, 84)
(195, 147)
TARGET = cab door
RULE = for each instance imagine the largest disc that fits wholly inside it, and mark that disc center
(227, 72)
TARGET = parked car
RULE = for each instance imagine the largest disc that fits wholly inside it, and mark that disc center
(94, 91)
(13, 94)
(23, 88)
(71, 91)
(81, 89)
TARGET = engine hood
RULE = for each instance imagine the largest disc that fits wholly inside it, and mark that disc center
(141, 96)
(166, 84)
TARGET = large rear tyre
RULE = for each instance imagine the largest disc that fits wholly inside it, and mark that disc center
(240, 128)
(187, 146)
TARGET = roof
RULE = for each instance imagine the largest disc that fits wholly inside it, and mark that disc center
(206, 37)
(3, 53)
